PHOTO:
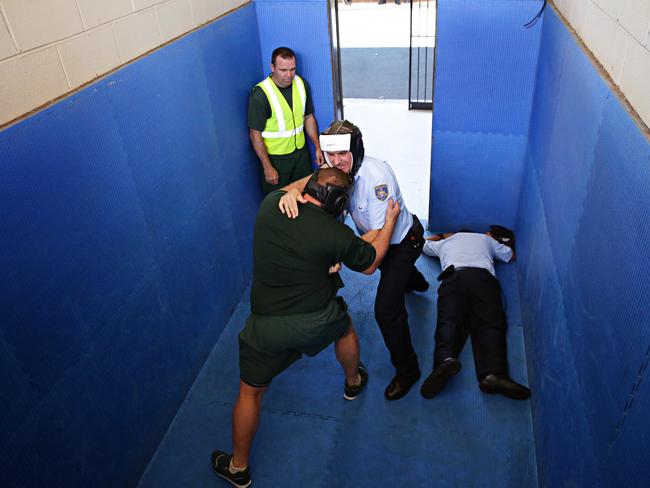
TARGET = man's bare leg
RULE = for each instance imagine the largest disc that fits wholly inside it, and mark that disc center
(347, 353)
(245, 420)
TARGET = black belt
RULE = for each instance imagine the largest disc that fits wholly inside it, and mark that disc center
(415, 236)
(451, 269)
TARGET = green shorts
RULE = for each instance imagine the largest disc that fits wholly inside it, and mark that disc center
(270, 344)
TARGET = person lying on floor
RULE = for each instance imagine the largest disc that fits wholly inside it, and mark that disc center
(469, 303)
(295, 309)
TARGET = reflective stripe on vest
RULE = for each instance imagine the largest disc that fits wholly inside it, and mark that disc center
(280, 135)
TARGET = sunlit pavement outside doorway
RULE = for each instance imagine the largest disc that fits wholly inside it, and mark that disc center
(390, 130)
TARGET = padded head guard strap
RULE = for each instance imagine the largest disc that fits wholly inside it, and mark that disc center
(333, 198)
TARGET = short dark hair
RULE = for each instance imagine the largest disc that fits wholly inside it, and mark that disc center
(283, 52)
(334, 176)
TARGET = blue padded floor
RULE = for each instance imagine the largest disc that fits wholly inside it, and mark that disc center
(311, 437)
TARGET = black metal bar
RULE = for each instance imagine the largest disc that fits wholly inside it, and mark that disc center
(418, 71)
(420, 100)
(420, 105)
(433, 67)
(335, 57)
(410, 52)
(426, 53)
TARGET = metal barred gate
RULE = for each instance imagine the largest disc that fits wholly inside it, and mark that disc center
(422, 54)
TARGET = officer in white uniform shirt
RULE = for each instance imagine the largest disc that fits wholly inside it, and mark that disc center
(374, 185)
(469, 303)
(375, 179)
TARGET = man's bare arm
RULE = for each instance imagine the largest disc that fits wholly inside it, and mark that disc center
(289, 202)
(380, 239)
(439, 237)
(270, 173)
(370, 235)
(311, 128)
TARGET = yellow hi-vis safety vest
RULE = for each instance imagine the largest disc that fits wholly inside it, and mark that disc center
(284, 131)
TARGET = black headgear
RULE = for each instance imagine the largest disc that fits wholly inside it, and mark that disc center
(341, 127)
(503, 235)
(333, 198)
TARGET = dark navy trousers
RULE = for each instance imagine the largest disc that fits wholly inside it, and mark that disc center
(469, 303)
(398, 275)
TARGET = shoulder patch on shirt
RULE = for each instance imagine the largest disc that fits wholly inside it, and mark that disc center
(381, 192)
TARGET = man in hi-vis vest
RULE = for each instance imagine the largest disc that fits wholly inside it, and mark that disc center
(280, 111)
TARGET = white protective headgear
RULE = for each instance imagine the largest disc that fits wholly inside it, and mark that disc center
(343, 135)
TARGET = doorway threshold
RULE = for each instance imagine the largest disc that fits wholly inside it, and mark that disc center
(402, 137)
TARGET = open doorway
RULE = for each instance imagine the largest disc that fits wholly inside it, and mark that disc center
(386, 70)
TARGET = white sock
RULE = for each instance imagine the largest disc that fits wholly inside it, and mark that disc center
(234, 470)
(357, 382)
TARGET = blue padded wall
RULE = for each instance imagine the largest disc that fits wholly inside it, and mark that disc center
(124, 254)
(583, 268)
(302, 25)
(483, 91)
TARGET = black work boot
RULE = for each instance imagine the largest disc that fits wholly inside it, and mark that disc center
(400, 386)
(439, 377)
(503, 385)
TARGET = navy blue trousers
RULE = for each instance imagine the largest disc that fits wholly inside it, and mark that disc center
(469, 303)
(398, 275)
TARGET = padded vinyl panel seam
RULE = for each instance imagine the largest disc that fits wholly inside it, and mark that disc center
(536, 363)
(562, 288)
(642, 371)
(184, 401)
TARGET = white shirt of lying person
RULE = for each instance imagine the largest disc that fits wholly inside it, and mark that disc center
(374, 185)
(468, 250)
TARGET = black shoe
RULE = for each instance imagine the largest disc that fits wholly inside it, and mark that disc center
(221, 466)
(440, 375)
(503, 385)
(419, 283)
(381, 2)
(352, 391)
(399, 386)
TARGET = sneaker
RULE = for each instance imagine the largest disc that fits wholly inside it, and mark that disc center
(221, 466)
(352, 391)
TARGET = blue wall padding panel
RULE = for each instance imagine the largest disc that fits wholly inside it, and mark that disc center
(547, 339)
(566, 165)
(612, 299)
(127, 212)
(547, 90)
(485, 65)
(584, 262)
(483, 92)
(302, 25)
(477, 178)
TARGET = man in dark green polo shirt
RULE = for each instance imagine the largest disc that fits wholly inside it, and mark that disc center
(294, 306)
(280, 113)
